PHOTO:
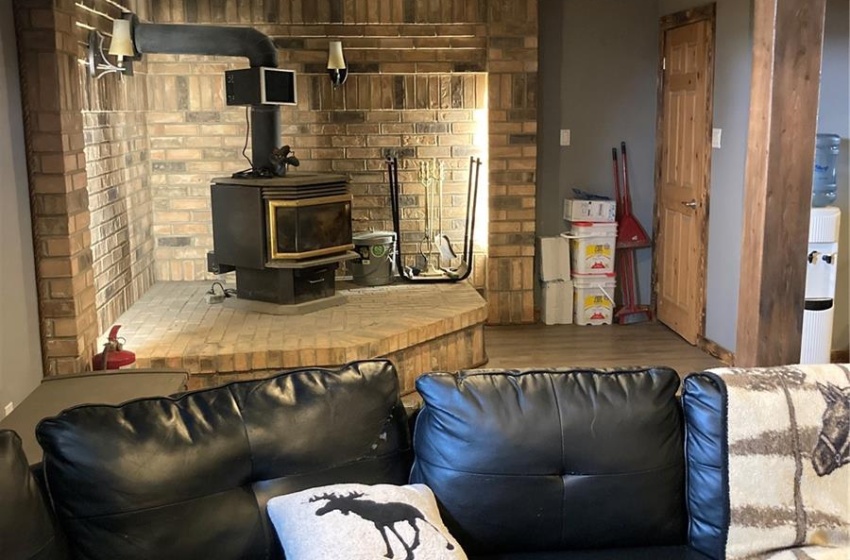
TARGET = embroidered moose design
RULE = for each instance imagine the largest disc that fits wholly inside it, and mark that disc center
(832, 450)
(383, 516)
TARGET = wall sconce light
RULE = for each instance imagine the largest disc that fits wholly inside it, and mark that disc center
(121, 47)
(336, 64)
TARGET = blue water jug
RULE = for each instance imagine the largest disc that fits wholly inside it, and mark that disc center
(824, 180)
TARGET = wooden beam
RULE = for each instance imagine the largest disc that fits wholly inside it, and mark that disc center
(787, 49)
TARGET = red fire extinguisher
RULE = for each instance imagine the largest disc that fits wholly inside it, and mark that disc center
(113, 356)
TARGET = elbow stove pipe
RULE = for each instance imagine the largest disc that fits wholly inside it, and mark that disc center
(215, 40)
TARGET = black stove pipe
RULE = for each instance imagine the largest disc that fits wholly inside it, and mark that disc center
(216, 40)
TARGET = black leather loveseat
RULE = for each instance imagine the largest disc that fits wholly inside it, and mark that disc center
(525, 465)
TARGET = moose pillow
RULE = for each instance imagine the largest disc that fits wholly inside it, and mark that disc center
(362, 522)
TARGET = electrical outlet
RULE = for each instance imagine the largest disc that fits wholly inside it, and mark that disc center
(565, 137)
(716, 136)
(9, 408)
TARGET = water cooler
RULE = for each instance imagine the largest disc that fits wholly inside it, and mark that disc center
(820, 285)
(822, 255)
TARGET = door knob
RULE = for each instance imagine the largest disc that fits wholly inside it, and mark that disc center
(692, 204)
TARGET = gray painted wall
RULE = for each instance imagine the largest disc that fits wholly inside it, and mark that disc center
(20, 352)
(834, 117)
(550, 52)
(608, 87)
(607, 84)
(549, 109)
(732, 70)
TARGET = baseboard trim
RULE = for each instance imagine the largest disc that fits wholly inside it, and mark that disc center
(840, 356)
(716, 350)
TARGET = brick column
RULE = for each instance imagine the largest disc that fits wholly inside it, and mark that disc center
(56, 163)
(512, 84)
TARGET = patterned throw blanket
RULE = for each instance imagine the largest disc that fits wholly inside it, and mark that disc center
(789, 455)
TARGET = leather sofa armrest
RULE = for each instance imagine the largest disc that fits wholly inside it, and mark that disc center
(766, 459)
(706, 481)
(26, 525)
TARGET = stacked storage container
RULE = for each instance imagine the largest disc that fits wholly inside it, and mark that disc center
(557, 286)
(593, 241)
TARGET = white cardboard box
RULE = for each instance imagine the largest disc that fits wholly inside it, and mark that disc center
(557, 308)
(554, 259)
(590, 210)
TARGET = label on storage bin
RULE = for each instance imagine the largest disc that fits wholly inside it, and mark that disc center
(596, 308)
(593, 257)
(597, 253)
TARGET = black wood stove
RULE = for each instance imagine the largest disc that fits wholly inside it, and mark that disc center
(284, 236)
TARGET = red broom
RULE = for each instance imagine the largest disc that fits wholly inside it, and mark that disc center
(630, 235)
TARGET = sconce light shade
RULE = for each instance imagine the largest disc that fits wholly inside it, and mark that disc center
(120, 47)
(122, 41)
(336, 64)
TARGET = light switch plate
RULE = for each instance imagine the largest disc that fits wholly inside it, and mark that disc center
(716, 135)
(565, 137)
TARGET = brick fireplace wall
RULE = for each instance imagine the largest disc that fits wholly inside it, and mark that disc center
(512, 79)
(417, 88)
(428, 78)
(118, 170)
(56, 167)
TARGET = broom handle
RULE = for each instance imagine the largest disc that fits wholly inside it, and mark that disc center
(627, 197)
(617, 194)
(620, 268)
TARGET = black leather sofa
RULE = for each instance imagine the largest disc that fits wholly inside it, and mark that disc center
(189, 476)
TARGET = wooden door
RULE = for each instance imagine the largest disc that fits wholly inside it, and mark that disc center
(683, 163)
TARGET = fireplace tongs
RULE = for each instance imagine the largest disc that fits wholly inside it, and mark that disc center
(464, 269)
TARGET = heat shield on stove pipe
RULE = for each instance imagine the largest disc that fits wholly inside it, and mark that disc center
(216, 40)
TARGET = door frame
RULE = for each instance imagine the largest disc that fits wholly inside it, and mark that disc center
(707, 13)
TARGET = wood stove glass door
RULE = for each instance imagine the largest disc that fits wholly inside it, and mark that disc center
(309, 227)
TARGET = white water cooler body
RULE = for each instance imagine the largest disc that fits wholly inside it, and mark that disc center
(820, 285)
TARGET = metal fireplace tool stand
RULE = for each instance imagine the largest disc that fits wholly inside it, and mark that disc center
(464, 269)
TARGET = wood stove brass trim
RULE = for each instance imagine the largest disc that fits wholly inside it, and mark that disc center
(307, 202)
(272, 204)
(311, 254)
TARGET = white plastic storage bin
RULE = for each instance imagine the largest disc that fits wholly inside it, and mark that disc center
(592, 247)
(557, 302)
(593, 303)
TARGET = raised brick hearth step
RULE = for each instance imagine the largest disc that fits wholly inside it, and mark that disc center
(420, 327)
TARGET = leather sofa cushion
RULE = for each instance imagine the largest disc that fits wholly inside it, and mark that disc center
(554, 460)
(189, 477)
(649, 553)
(26, 529)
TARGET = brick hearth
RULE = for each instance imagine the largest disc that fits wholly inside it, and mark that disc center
(420, 327)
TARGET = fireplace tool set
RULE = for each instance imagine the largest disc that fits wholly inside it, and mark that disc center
(439, 261)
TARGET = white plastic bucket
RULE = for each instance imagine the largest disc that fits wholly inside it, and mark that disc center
(593, 302)
(592, 247)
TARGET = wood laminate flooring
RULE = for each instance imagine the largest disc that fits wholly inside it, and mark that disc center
(593, 346)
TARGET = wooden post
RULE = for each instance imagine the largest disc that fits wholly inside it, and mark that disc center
(787, 49)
